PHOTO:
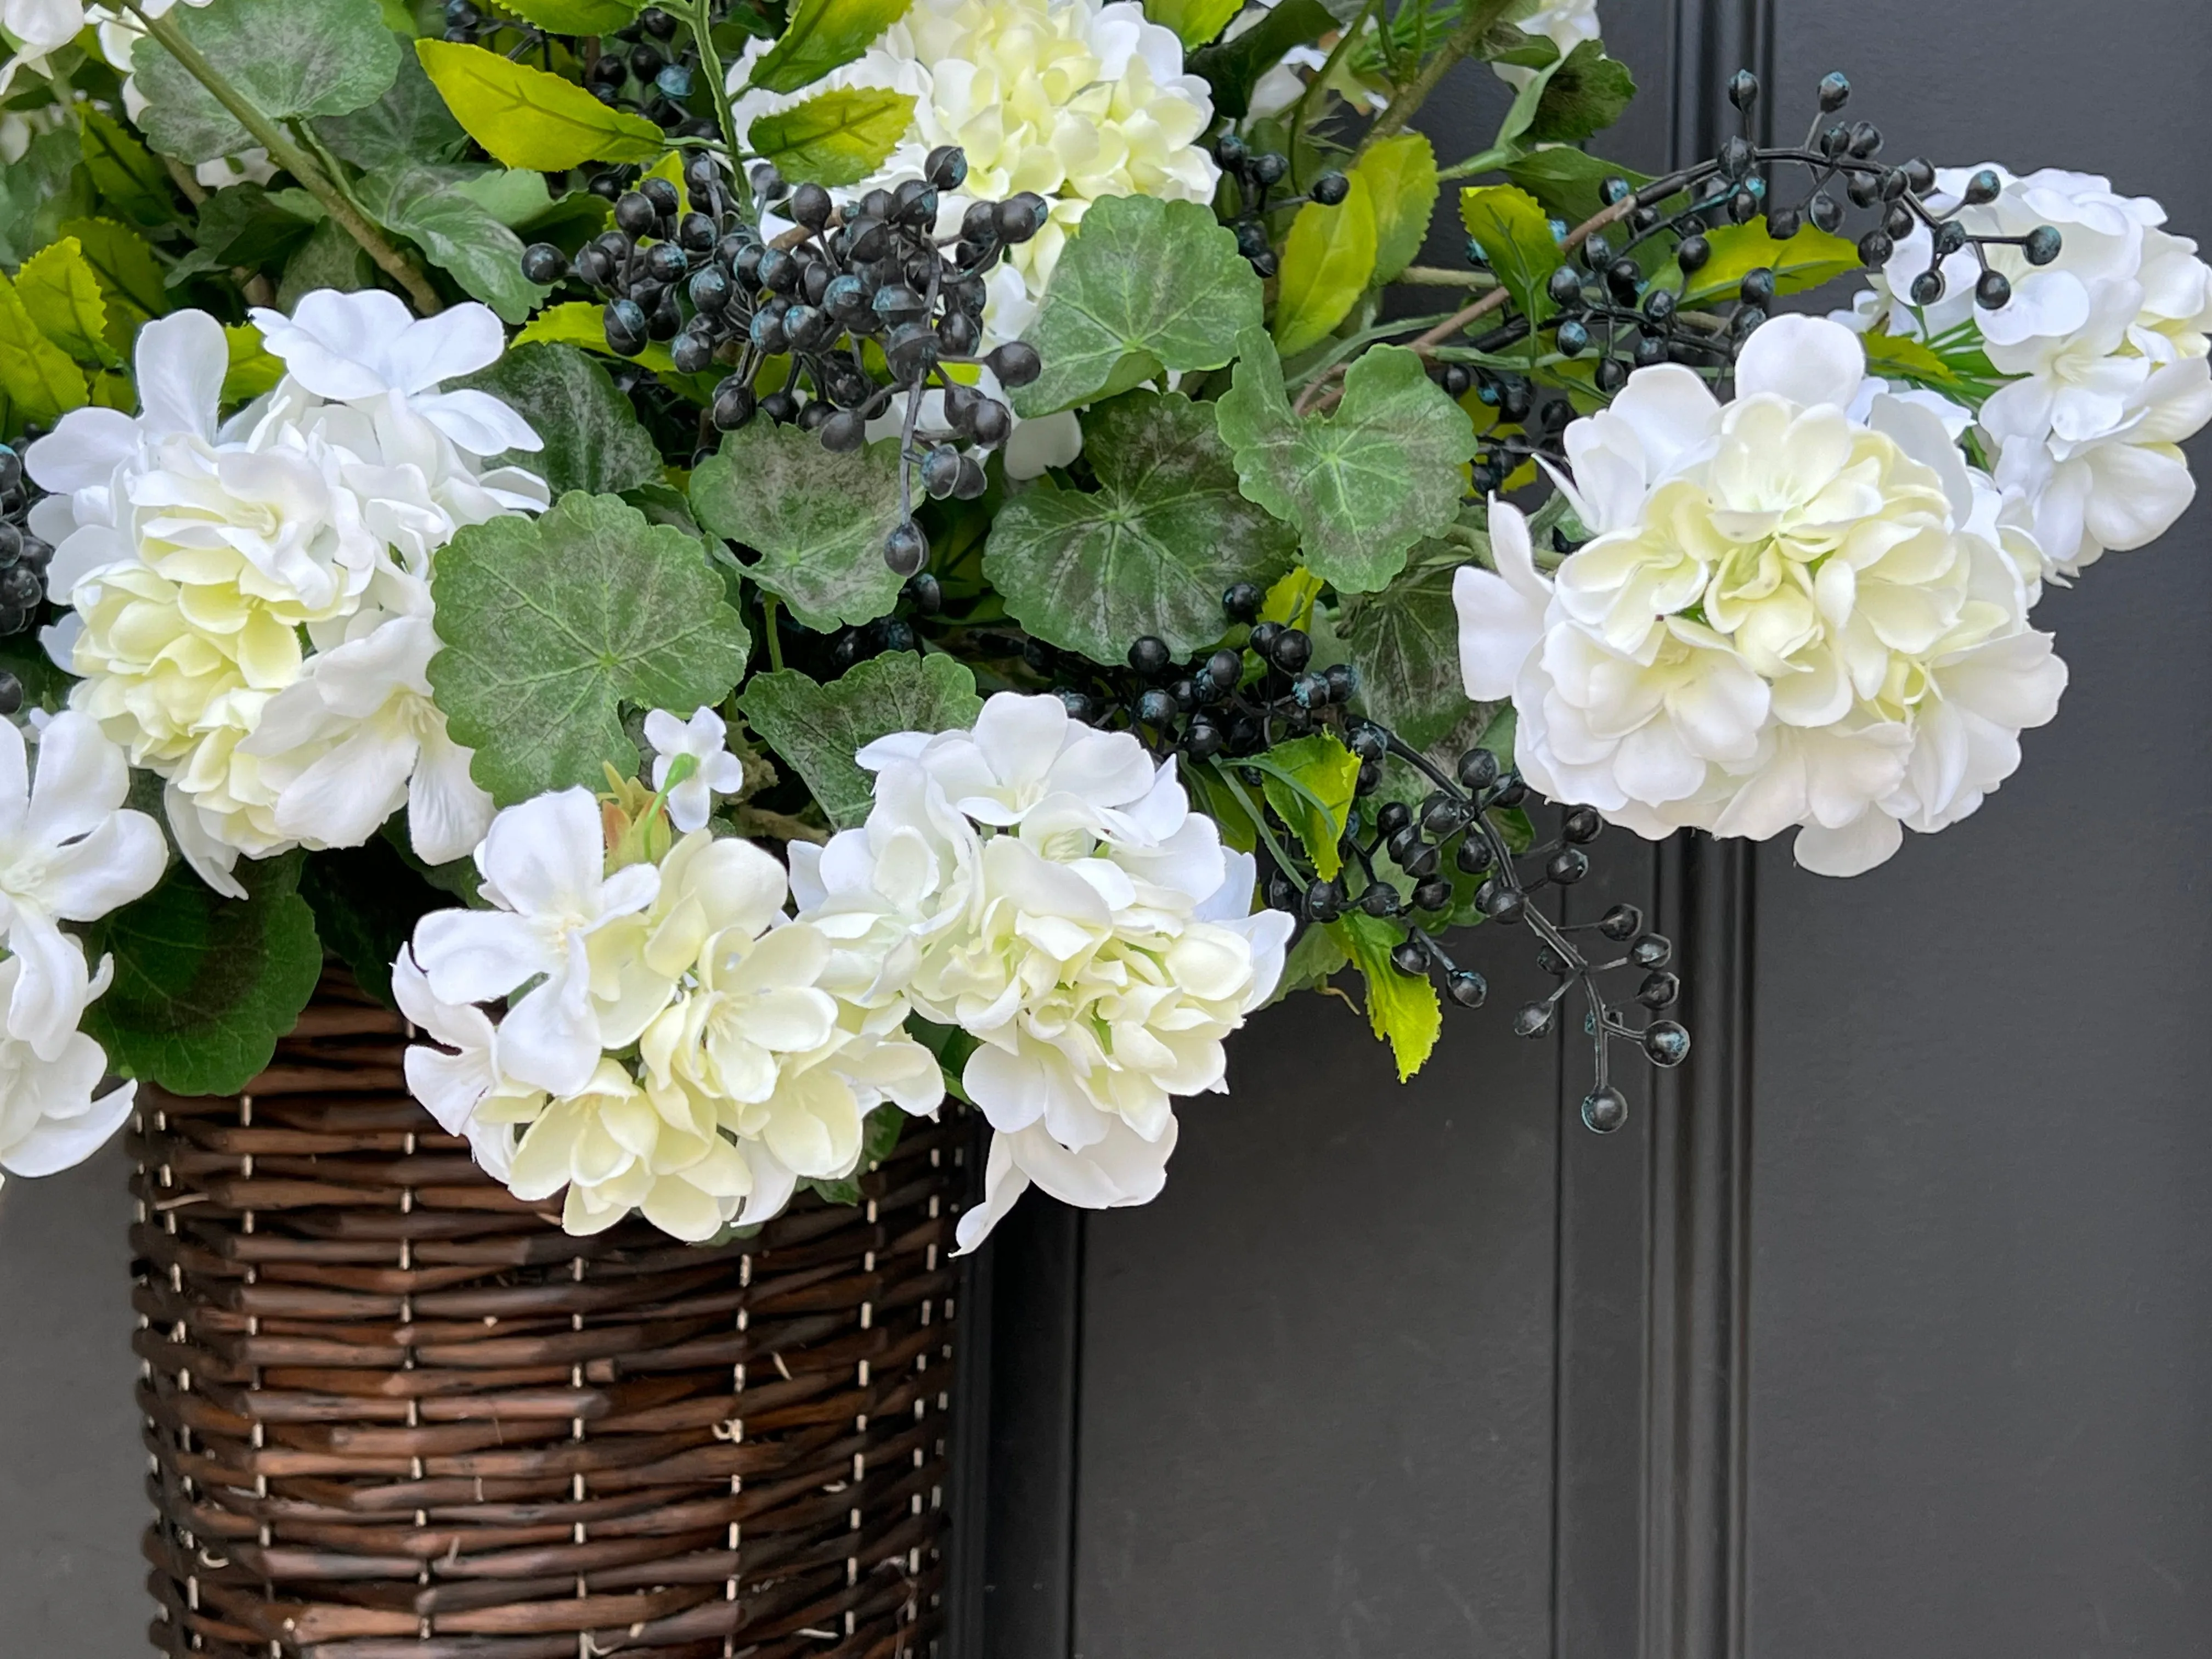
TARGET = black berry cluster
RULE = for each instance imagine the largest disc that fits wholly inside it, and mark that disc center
(23, 557)
(1258, 174)
(861, 302)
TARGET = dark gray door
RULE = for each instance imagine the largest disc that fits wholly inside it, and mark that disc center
(1885, 1329)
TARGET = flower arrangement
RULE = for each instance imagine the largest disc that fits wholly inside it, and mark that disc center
(758, 567)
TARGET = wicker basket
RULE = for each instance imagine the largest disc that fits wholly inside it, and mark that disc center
(396, 1414)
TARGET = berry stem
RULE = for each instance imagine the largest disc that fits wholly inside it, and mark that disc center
(295, 160)
(702, 26)
(1482, 18)
(1309, 105)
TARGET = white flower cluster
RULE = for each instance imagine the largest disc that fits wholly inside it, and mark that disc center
(70, 852)
(42, 28)
(2104, 347)
(1785, 616)
(1046, 888)
(252, 607)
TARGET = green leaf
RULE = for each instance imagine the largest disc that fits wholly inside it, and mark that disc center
(330, 258)
(1150, 550)
(1362, 483)
(244, 225)
(129, 280)
(817, 519)
(1233, 68)
(40, 189)
(428, 205)
(1401, 174)
(1402, 1007)
(836, 138)
(124, 171)
(1143, 285)
(61, 291)
(204, 985)
(40, 382)
(45, 685)
(594, 442)
(1807, 259)
(550, 625)
(819, 728)
(526, 117)
(1308, 781)
(580, 323)
(1564, 181)
(1314, 959)
(408, 123)
(253, 369)
(823, 35)
(573, 16)
(367, 900)
(1900, 357)
(290, 58)
(1585, 94)
(514, 196)
(1516, 235)
(1327, 260)
(1194, 21)
(1405, 643)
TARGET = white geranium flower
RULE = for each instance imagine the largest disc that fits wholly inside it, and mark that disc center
(50, 1118)
(454, 1081)
(351, 348)
(716, 771)
(1070, 99)
(1062, 904)
(543, 864)
(69, 851)
(1788, 616)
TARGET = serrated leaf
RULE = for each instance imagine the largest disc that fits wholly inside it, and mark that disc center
(817, 519)
(1143, 285)
(552, 625)
(1564, 181)
(1310, 782)
(367, 900)
(580, 323)
(204, 985)
(1233, 68)
(823, 35)
(836, 138)
(1900, 357)
(408, 123)
(527, 118)
(252, 369)
(40, 189)
(1150, 550)
(819, 728)
(129, 280)
(124, 171)
(290, 58)
(594, 440)
(1328, 261)
(1585, 94)
(244, 225)
(1405, 643)
(430, 207)
(573, 16)
(1362, 483)
(1401, 174)
(1402, 1008)
(1194, 21)
(1517, 241)
(40, 382)
(1807, 259)
(62, 293)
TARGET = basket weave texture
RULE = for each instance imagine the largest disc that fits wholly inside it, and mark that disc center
(395, 1413)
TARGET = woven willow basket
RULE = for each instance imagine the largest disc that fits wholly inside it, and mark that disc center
(396, 1414)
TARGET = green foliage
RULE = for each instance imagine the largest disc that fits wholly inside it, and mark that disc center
(1402, 1008)
(1309, 782)
(1144, 285)
(1233, 68)
(1328, 258)
(204, 985)
(823, 35)
(527, 118)
(252, 369)
(124, 171)
(819, 728)
(573, 16)
(1401, 176)
(550, 626)
(1314, 957)
(1564, 181)
(328, 258)
(1807, 259)
(61, 291)
(1150, 550)
(1517, 241)
(1585, 94)
(1194, 21)
(1363, 483)
(408, 123)
(592, 438)
(817, 519)
(1405, 643)
(38, 190)
(430, 206)
(290, 58)
(580, 323)
(367, 900)
(836, 138)
(129, 280)
(40, 382)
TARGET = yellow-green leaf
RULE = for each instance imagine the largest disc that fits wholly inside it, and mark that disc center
(1402, 1008)
(1290, 601)
(1308, 781)
(129, 280)
(1807, 259)
(1401, 174)
(573, 16)
(1194, 21)
(579, 322)
(110, 390)
(1515, 238)
(1326, 262)
(60, 291)
(526, 117)
(41, 383)
(835, 138)
(124, 171)
(254, 368)
(822, 34)
(1900, 357)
